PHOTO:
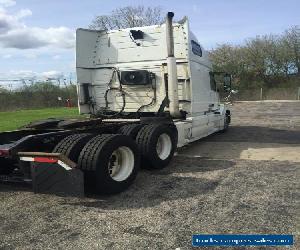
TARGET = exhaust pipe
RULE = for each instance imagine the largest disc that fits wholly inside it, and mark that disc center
(172, 69)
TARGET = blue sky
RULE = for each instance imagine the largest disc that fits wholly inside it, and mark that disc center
(41, 38)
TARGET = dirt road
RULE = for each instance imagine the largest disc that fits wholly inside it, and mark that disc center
(243, 181)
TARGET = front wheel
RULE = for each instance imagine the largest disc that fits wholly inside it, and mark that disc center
(227, 120)
(110, 162)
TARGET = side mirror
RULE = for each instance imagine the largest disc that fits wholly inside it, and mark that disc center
(227, 82)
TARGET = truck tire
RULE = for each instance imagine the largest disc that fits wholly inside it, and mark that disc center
(130, 130)
(157, 144)
(110, 163)
(227, 120)
(72, 145)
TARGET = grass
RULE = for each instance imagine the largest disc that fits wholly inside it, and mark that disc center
(16, 119)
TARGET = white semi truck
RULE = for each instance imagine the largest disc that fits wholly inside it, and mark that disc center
(149, 90)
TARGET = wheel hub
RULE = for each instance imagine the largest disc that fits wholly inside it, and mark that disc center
(121, 163)
(163, 146)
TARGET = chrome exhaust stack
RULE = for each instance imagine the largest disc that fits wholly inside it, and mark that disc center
(172, 69)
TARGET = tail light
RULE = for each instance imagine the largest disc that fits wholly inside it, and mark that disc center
(4, 152)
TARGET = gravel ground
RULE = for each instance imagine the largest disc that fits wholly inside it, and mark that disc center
(243, 181)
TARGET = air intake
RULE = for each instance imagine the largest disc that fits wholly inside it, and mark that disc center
(138, 77)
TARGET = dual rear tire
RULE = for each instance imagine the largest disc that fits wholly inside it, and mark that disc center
(72, 145)
(111, 162)
(157, 144)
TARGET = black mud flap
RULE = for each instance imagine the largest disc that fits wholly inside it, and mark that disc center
(54, 174)
(52, 178)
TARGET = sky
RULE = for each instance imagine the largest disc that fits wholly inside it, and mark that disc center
(37, 37)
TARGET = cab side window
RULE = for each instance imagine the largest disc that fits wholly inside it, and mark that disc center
(196, 48)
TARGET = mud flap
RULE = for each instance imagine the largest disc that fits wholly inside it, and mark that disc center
(54, 174)
(51, 178)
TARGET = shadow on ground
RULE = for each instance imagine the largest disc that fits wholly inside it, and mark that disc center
(247, 142)
(255, 134)
(184, 178)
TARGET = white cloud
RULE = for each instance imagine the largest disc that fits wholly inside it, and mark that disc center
(31, 75)
(7, 56)
(30, 55)
(35, 49)
(7, 3)
(23, 13)
(52, 74)
(56, 57)
(15, 34)
(21, 74)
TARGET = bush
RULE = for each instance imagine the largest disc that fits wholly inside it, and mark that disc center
(38, 95)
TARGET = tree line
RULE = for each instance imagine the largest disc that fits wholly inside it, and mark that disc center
(37, 95)
(264, 61)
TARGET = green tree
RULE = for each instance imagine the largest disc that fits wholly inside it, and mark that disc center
(291, 39)
(269, 60)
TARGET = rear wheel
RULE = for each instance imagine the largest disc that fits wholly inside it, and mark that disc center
(110, 163)
(130, 130)
(157, 144)
(72, 145)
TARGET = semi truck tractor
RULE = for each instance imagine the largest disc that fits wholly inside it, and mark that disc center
(146, 92)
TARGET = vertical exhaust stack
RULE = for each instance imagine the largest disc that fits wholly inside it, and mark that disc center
(172, 69)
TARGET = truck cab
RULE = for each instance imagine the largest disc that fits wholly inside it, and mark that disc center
(125, 73)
